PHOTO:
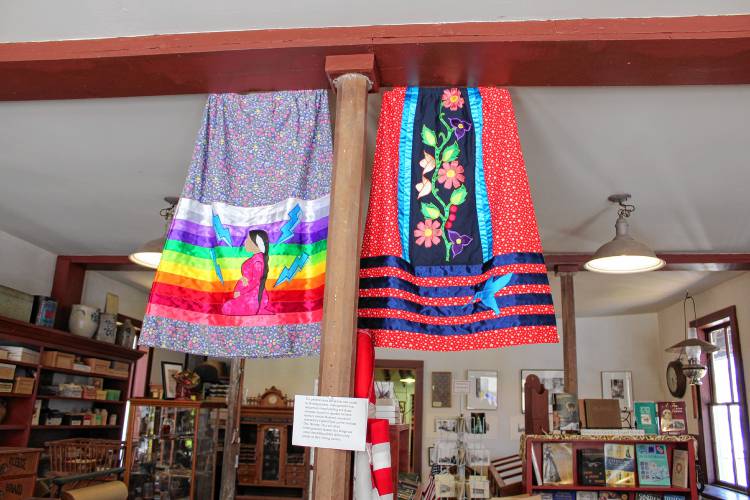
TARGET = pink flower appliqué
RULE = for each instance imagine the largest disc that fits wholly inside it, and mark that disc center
(452, 99)
(451, 175)
(428, 233)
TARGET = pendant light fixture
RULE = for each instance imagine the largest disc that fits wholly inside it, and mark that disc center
(149, 254)
(624, 254)
(692, 348)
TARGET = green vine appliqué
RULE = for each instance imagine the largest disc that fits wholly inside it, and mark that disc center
(444, 170)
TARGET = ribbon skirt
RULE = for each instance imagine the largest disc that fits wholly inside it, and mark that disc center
(451, 257)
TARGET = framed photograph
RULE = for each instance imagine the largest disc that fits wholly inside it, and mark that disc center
(478, 457)
(483, 390)
(446, 425)
(442, 384)
(447, 452)
(618, 385)
(385, 389)
(168, 370)
(553, 380)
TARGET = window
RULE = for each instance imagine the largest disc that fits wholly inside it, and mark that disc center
(724, 409)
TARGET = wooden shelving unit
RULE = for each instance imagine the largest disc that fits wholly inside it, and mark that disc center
(580, 443)
(16, 429)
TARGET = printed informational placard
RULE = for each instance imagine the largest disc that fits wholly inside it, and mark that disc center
(329, 422)
(461, 386)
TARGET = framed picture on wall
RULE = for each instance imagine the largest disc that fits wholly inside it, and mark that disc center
(385, 389)
(618, 385)
(553, 381)
(483, 390)
(168, 382)
(442, 384)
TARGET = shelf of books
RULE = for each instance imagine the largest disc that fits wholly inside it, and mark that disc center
(574, 467)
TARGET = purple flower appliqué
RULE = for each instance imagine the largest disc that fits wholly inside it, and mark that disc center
(459, 126)
(458, 241)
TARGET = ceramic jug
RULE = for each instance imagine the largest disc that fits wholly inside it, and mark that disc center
(84, 320)
(107, 328)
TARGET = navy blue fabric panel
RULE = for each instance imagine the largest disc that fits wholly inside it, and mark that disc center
(428, 111)
(521, 299)
(447, 291)
(457, 270)
(476, 327)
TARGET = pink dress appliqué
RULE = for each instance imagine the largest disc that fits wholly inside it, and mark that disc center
(245, 301)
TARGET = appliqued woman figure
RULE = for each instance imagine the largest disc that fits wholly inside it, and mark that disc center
(250, 297)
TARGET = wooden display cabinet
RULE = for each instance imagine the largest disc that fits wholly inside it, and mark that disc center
(171, 448)
(269, 465)
(18, 429)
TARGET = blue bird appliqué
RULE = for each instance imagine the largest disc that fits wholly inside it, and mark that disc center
(487, 294)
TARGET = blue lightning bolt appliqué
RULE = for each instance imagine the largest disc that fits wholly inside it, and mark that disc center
(287, 230)
(290, 272)
(222, 236)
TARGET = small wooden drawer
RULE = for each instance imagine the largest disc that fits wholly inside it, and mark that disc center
(58, 359)
(23, 385)
(18, 462)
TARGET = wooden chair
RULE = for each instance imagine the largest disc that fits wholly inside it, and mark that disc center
(506, 475)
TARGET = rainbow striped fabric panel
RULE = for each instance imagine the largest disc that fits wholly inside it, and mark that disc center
(238, 277)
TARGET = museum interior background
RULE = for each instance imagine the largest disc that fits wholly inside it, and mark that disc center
(88, 177)
(580, 146)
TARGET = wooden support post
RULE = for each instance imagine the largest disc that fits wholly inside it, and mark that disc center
(231, 433)
(67, 288)
(333, 467)
(570, 359)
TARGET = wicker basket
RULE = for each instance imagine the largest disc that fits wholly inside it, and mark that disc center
(80, 456)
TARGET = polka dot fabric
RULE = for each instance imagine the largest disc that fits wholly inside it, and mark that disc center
(503, 301)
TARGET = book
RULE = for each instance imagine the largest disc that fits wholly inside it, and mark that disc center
(535, 463)
(591, 467)
(566, 412)
(673, 496)
(647, 496)
(586, 495)
(557, 463)
(653, 466)
(564, 495)
(619, 464)
(603, 413)
(672, 419)
(607, 495)
(613, 432)
(679, 468)
(645, 417)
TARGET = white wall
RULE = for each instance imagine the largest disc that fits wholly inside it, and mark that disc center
(24, 266)
(22, 20)
(735, 292)
(615, 343)
(291, 376)
(132, 301)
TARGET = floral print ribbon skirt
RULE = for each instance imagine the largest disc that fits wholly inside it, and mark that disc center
(243, 268)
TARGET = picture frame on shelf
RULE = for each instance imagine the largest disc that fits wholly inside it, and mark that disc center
(442, 387)
(446, 424)
(553, 381)
(385, 389)
(447, 452)
(168, 382)
(483, 393)
(618, 385)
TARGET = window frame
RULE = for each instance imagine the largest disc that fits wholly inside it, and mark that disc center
(726, 317)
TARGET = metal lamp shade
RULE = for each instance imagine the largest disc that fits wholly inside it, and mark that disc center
(623, 255)
(149, 254)
(688, 344)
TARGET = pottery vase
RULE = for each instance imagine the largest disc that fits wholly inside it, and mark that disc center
(107, 331)
(84, 320)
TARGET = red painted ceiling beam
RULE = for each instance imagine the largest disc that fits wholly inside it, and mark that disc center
(649, 51)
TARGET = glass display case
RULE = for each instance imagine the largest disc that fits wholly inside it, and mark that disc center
(171, 449)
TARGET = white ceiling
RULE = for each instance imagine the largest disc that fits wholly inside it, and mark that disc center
(88, 176)
(24, 20)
